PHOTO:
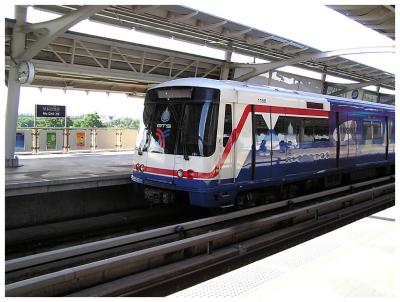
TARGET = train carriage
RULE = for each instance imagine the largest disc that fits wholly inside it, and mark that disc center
(221, 143)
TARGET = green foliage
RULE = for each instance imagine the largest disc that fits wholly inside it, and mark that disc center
(124, 123)
(52, 122)
(25, 121)
(78, 123)
(92, 120)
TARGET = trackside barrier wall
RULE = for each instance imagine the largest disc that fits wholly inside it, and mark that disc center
(37, 140)
(24, 140)
(107, 138)
(80, 139)
(50, 139)
(128, 138)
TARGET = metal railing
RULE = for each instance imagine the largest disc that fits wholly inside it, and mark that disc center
(37, 140)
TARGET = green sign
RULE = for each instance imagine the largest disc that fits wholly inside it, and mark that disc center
(51, 141)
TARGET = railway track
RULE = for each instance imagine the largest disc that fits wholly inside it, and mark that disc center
(160, 261)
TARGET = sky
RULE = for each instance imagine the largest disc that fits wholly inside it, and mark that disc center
(309, 23)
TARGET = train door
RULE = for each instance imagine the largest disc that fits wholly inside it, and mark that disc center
(243, 147)
(278, 146)
(262, 144)
(378, 138)
(372, 147)
(294, 133)
(343, 138)
(351, 132)
(391, 138)
(225, 148)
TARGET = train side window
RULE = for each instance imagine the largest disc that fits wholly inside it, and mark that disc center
(227, 124)
(263, 137)
(321, 130)
(292, 127)
(316, 130)
(278, 140)
(377, 130)
(367, 130)
(308, 131)
(391, 131)
(343, 132)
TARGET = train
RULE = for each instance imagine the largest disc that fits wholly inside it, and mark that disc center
(216, 143)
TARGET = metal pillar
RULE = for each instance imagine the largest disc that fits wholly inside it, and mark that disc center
(50, 31)
(323, 80)
(14, 87)
(378, 99)
(225, 68)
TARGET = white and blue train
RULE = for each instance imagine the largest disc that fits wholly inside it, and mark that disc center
(220, 143)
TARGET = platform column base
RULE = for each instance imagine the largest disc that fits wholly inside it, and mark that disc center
(12, 162)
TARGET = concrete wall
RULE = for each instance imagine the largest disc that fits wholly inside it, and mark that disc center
(36, 209)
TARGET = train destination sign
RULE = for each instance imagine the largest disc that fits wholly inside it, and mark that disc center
(50, 111)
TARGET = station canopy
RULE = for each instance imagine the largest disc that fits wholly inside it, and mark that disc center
(151, 65)
(377, 17)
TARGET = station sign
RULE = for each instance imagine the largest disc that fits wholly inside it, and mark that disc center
(50, 111)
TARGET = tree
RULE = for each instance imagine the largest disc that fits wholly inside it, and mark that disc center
(124, 123)
(53, 122)
(92, 120)
(78, 123)
(25, 121)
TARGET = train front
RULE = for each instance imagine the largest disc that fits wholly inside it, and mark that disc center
(175, 160)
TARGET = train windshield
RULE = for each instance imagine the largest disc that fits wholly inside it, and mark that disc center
(180, 120)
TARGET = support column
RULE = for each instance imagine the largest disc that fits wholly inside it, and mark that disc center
(323, 80)
(225, 68)
(14, 87)
(378, 100)
(269, 77)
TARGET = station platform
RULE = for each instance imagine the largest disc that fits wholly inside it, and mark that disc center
(356, 261)
(60, 172)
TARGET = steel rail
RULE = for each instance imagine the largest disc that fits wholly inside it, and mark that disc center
(51, 256)
(99, 271)
(163, 281)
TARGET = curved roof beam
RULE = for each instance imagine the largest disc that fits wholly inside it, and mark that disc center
(258, 69)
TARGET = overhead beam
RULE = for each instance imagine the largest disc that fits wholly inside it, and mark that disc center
(177, 18)
(53, 28)
(261, 68)
(350, 87)
(205, 26)
(46, 66)
(232, 34)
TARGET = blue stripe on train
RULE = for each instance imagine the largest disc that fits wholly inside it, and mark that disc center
(214, 193)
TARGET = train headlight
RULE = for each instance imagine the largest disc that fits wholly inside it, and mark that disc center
(141, 168)
(191, 174)
(180, 173)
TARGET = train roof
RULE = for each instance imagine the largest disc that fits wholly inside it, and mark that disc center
(226, 84)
